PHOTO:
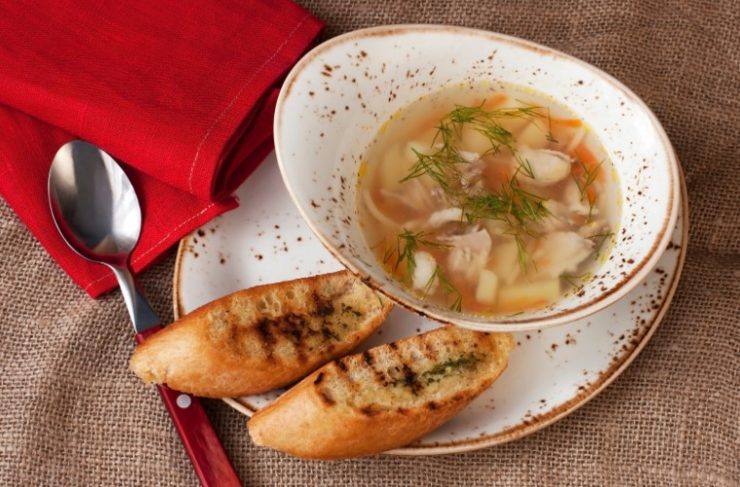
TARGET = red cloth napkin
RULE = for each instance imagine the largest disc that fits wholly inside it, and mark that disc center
(181, 91)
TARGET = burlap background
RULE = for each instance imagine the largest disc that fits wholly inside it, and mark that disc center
(73, 415)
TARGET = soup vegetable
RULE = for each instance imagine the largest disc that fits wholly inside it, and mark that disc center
(488, 199)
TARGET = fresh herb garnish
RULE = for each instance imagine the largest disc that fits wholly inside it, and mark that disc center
(442, 164)
(599, 239)
(487, 123)
(441, 167)
(574, 281)
(512, 204)
(521, 252)
(446, 286)
(436, 373)
(548, 135)
(584, 180)
(349, 309)
(407, 242)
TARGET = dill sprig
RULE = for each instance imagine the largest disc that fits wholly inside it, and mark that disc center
(548, 135)
(487, 123)
(436, 373)
(449, 289)
(584, 180)
(407, 243)
(446, 286)
(574, 280)
(442, 165)
(599, 239)
(521, 252)
(513, 205)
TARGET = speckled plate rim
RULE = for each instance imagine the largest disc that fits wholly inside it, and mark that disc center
(614, 294)
(537, 422)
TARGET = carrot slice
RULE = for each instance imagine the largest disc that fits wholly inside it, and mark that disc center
(496, 177)
(591, 194)
(495, 101)
(566, 122)
(586, 156)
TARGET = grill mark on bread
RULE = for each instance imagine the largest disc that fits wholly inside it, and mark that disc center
(328, 333)
(379, 374)
(409, 377)
(342, 373)
(326, 398)
(297, 328)
(291, 327)
(368, 410)
(324, 307)
(267, 340)
(367, 358)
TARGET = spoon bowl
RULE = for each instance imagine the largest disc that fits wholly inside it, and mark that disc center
(93, 203)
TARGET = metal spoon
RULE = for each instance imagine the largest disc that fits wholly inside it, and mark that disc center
(96, 210)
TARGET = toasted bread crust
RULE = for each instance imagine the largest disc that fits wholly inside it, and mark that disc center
(314, 420)
(262, 338)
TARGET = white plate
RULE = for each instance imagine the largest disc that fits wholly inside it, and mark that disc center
(551, 373)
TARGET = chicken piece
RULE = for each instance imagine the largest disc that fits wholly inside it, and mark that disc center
(436, 220)
(426, 265)
(561, 252)
(469, 253)
(439, 218)
(469, 156)
(548, 166)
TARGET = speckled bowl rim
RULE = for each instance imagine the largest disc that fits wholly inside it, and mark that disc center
(604, 299)
(536, 423)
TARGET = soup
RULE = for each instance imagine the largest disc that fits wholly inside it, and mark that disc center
(488, 199)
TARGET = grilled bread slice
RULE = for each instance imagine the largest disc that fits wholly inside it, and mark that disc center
(384, 398)
(262, 338)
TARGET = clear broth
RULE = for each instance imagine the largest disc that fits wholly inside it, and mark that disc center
(489, 199)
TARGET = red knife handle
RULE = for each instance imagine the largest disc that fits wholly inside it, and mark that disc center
(201, 443)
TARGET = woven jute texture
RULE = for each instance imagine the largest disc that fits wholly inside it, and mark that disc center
(73, 415)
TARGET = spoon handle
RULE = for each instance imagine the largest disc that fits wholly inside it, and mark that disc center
(201, 443)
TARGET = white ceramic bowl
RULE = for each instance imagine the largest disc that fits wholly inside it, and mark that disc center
(337, 96)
